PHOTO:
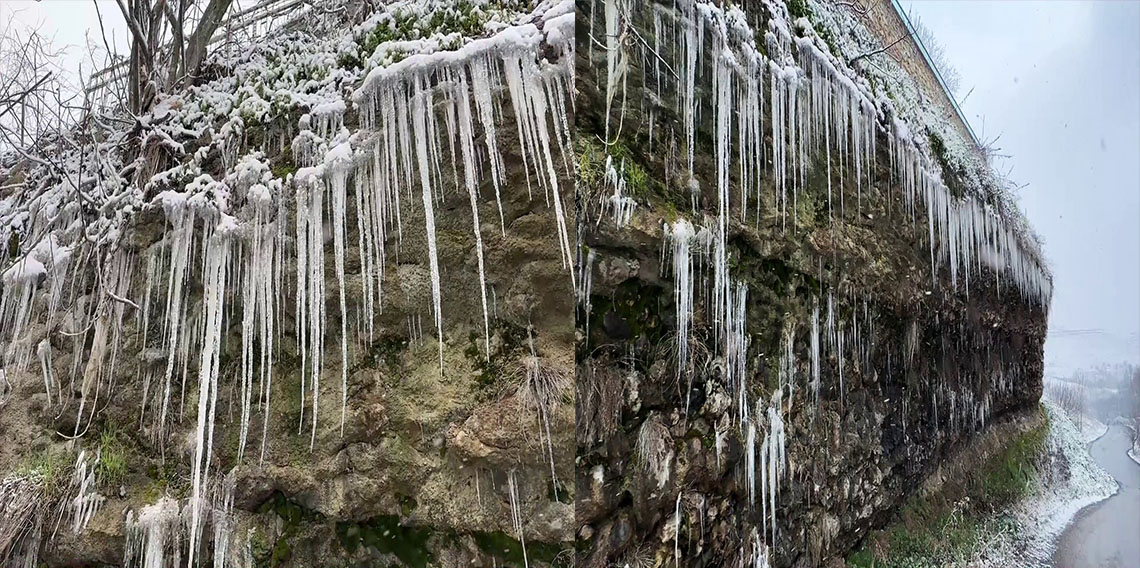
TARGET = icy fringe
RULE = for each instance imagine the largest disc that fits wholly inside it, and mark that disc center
(619, 206)
(157, 534)
(398, 104)
(816, 103)
(516, 512)
(233, 235)
(87, 501)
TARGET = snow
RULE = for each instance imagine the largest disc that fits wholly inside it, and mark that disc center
(1042, 517)
(1091, 429)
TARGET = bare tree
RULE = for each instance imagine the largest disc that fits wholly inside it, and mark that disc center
(169, 40)
(936, 52)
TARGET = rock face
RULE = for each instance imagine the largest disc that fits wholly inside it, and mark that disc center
(777, 383)
(452, 448)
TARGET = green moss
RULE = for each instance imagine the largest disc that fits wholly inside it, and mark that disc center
(385, 534)
(283, 166)
(292, 516)
(387, 352)
(509, 551)
(408, 504)
(633, 312)
(491, 370)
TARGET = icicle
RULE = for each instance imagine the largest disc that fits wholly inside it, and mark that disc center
(467, 146)
(815, 367)
(87, 501)
(310, 285)
(421, 107)
(681, 234)
(154, 536)
(339, 165)
(516, 513)
(677, 531)
(214, 281)
(43, 350)
(619, 205)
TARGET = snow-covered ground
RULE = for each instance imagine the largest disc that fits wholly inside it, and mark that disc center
(1092, 429)
(1040, 519)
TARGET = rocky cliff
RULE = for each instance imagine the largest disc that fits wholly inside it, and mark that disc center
(798, 294)
(314, 311)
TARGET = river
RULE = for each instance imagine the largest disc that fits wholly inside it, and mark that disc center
(1107, 534)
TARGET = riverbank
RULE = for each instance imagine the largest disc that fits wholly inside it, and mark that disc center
(1071, 480)
(1105, 534)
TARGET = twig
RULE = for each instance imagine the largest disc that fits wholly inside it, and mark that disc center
(877, 51)
(121, 299)
(858, 9)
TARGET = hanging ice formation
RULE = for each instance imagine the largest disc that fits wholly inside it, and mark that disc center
(396, 102)
(87, 501)
(816, 104)
(516, 512)
(619, 205)
(154, 535)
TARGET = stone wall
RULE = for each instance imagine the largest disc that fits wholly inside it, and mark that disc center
(882, 20)
(911, 367)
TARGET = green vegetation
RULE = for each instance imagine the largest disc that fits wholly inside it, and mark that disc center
(113, 457)
(53, 467)
(387, 351)
(509, 551)
(461, 18)
(945, 528)
(292, 515)
(798, 9)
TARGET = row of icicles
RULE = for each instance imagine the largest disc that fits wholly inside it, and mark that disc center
(812, 105)
(416, 126)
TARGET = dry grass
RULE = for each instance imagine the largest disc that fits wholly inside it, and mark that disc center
(600, 395)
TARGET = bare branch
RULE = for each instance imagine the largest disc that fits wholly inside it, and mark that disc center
(877, 51)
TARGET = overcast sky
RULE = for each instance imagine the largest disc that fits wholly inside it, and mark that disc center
(69, 23)
(1060, 82)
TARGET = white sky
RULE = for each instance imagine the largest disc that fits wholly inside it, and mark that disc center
(68, 23)
(1061, 83)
